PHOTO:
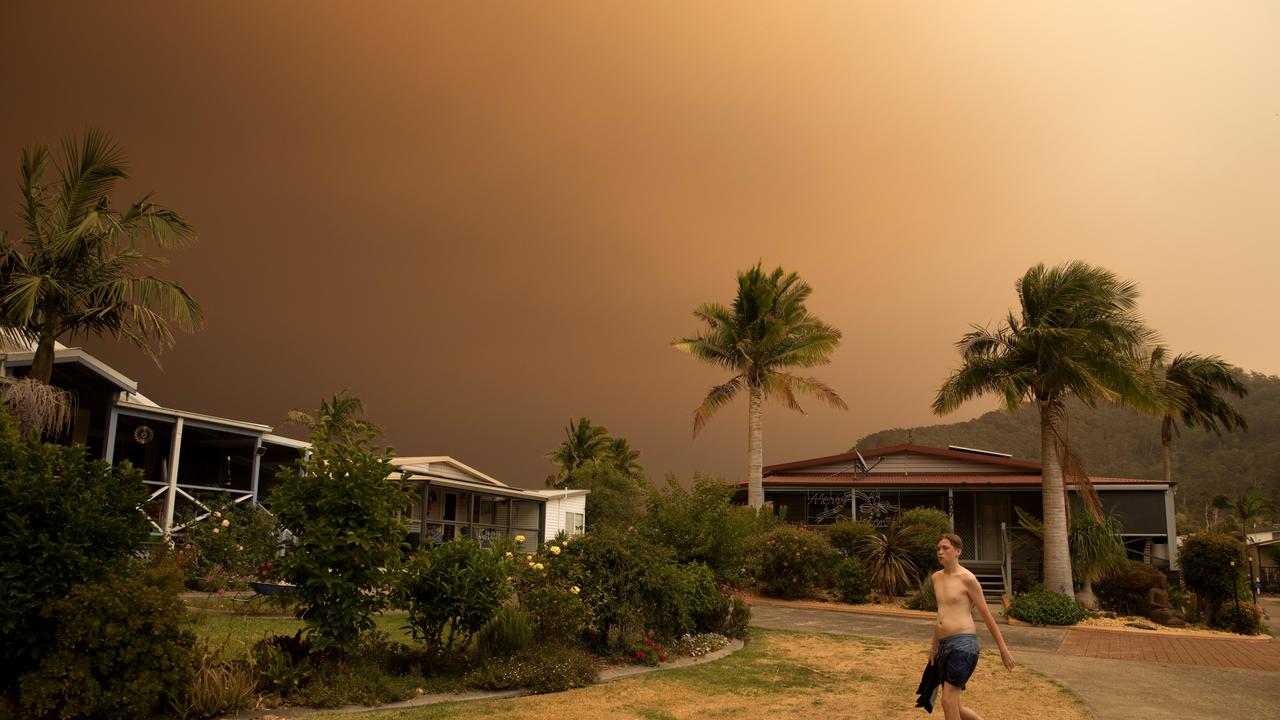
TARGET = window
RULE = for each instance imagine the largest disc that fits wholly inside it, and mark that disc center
(573, 523)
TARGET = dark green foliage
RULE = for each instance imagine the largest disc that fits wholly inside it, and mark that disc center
(695, 602)
(283, 663)
(543, 669)
(341, 506)
(1207, 569)
(847, 538)
(509, 631)
(557, 613)
(122, 649)
(853, 582)
(1244, 618)
(924, 599)
(793, 562)
(631, 584)
(66, 520)
(702, 525)
(887, 555)
(246, 538)
(922, 527)
(616, 499)
(457, 585)
(1046, 608)
(1126, 591)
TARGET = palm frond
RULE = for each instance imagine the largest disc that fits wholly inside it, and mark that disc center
(716, 398)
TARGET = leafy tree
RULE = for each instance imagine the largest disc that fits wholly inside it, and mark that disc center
(1190, 389)
(341, 508)
(584, 443)
(703, 525)
(68, 520)
(616, 499)
(1078, 335)
(766, 332)
(77, 266)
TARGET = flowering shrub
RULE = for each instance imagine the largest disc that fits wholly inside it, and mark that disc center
(793, 562)
(647, 651)
(699, 645)
(226, 547)
(550, 668)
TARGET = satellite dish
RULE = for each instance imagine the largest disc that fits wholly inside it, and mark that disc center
(860, 463)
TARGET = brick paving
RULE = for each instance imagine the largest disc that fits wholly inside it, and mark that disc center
(1213, 652)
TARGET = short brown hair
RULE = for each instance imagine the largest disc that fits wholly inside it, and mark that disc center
(954, 539)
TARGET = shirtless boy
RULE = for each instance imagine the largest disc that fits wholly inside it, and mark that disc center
(955, 642)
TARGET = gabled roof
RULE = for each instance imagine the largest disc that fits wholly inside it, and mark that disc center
(80, 357)
(421, 465)
(850, 458)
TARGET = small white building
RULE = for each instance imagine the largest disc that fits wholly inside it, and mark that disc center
(566, 511)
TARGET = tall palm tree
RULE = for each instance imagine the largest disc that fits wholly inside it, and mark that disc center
(1249, 506)
(583, 443)
(76, 268)
(1078, 334)
(1190, 389)
(767, 331)
(625, 459)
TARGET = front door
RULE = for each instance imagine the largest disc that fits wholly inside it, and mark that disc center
(992, 510)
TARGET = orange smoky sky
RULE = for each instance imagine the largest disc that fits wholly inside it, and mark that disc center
(486, 218)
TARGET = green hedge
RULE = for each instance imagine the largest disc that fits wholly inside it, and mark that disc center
(1046, 608)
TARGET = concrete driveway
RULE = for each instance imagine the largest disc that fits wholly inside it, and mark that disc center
(1112, 689)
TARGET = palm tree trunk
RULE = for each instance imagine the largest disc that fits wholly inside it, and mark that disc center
(1166, 439)
(1086, 596)
(755, 449)
(1057, 551)
(42, 363)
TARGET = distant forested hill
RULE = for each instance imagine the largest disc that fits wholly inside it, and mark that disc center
(1116, 442)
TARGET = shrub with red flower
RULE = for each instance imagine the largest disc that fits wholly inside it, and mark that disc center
(648, 651)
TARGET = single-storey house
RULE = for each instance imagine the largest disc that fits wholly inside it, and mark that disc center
(979, 490)
(192, 460)
(1264, 555)
(454, 500)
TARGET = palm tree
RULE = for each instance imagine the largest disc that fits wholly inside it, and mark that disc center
(583, 443)
(622, 457)
(767, 331)
(1097, 549)
(1078, 335)
(1190, 389)
(1249, 506)
(76, 268)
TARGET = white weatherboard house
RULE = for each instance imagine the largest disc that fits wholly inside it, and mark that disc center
(192, 460)
(454, 500)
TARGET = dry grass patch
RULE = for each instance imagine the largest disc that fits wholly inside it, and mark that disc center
(782, 674)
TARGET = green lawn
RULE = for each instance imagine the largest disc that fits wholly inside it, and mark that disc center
(236, 633)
